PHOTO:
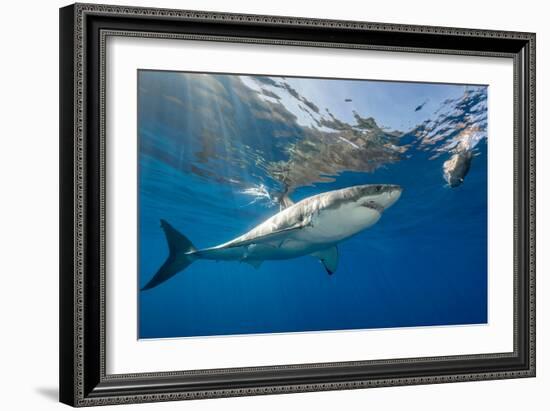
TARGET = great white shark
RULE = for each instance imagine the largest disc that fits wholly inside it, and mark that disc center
(313, 226)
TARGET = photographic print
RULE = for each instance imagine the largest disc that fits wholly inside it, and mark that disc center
(280, 204)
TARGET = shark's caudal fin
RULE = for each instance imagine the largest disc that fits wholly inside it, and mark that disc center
(178, 259)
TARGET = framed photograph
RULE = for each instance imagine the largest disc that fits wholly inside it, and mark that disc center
(261, 204)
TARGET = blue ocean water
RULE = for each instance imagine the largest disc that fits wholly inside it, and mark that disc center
(214, 151)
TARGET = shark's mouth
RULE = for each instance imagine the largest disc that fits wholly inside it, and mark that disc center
(373, 205)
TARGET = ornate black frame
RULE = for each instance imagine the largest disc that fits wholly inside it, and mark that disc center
(83, 30)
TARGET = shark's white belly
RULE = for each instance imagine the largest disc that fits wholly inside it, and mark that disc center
(332, 226)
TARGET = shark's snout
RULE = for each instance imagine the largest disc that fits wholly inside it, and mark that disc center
(389, 197)
(393, 196)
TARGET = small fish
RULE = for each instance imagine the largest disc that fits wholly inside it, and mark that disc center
(421, 106)
(348, 100)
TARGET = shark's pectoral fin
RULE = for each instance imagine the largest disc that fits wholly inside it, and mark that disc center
(329, 258)
(254, 263)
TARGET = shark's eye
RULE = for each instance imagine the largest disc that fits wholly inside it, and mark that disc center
(378, 188)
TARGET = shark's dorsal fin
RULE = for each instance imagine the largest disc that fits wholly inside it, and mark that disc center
(285, 201)
(329, 258)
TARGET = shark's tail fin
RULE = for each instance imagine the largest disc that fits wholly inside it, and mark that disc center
(178, 259)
